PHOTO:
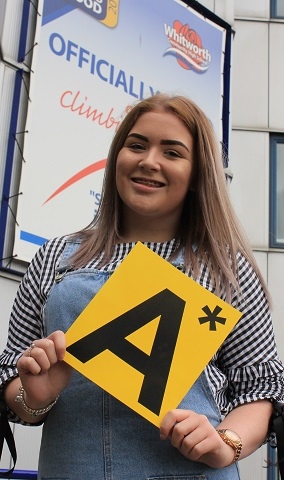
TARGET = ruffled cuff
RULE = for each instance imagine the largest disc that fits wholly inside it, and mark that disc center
(256, 382)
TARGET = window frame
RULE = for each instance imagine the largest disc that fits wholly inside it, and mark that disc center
(20, 474)
(275, 140)
(273, 10)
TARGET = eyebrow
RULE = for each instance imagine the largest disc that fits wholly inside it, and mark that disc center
(163, 142)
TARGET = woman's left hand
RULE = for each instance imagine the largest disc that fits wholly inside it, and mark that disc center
(194, 436)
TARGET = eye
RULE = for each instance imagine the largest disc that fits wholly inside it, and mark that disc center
(172, 154)
(135, 146)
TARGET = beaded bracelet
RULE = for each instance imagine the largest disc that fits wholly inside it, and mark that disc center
(34, 412)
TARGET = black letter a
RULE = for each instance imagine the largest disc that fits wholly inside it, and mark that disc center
(156, 366)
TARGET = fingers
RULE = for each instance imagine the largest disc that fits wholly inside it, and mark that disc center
(193, 437)
(32, 345)
(189, 432)
(42, 372)
(59, 341)
(170, 420)
(43, 354)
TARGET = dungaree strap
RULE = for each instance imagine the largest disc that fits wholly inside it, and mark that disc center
(6, 434)
(278, 428)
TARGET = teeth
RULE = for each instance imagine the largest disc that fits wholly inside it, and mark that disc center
(148, 183)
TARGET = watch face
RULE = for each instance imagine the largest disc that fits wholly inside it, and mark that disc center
(233, 435)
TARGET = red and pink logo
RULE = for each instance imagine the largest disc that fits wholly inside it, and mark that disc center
(187, 47)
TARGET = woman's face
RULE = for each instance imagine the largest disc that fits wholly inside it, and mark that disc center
(154, 168)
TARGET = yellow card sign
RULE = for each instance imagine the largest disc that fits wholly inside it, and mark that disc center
(148, 333)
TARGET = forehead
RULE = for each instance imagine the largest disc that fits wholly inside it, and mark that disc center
(160, 122)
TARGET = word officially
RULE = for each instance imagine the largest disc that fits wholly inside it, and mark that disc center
(100, 67)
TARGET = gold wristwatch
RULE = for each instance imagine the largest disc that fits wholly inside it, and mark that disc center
(234, 440)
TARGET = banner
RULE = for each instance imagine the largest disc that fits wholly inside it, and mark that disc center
(92, 61)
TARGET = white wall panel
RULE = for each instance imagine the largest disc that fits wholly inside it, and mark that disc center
(262, 260)
(210, 4)
(8, 288)
(252, 8)
(27, 440)
(253, 467)
(249, 89)
(275, 283)
(2, 16)
(276, 77)
(249, 187)
(225, 10)
(9, 35)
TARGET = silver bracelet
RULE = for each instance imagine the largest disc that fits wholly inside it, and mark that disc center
(34, 412)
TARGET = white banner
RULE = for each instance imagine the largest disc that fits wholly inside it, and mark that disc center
(92, 61)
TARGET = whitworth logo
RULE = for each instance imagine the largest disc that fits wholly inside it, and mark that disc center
(187, 47)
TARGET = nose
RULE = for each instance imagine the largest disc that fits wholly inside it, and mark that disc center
(150, 161)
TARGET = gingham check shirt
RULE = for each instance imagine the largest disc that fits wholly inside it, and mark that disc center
(245, 368)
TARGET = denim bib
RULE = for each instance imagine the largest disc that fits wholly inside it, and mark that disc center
(88, 434)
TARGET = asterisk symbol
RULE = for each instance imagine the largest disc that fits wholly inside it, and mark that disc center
(212, 317)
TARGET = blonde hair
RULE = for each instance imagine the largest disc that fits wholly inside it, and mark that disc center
(208, 220)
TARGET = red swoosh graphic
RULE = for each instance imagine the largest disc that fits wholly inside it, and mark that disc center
(83, 173)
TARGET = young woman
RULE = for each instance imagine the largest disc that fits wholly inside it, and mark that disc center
(164, 186)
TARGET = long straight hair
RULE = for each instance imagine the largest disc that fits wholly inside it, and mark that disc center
(208, 219)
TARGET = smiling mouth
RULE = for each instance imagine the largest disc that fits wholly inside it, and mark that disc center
(148, 183)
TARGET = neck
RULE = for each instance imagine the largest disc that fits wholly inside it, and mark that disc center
(147, 231)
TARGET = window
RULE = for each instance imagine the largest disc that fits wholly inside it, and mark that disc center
(276, 191)
(277, 8)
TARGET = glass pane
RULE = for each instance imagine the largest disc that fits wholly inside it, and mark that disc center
(280, 193)
(279, 8)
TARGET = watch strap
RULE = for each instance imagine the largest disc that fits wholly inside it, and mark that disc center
(236, 444)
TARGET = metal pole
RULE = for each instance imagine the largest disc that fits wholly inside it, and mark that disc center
(272, 469)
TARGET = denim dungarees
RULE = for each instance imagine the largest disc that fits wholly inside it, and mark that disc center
(88, 434)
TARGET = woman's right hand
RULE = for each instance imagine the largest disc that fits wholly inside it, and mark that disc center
(42, 371)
